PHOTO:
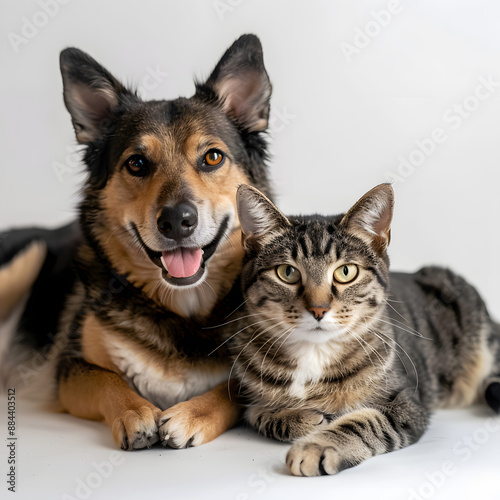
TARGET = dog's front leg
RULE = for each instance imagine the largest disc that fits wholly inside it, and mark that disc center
(200, 419)
(88, 391)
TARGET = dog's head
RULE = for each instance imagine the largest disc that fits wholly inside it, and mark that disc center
(160, 197)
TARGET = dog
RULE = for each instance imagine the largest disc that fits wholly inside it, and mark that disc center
(157, 249)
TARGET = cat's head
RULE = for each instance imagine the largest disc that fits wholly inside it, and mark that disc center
(315, 278)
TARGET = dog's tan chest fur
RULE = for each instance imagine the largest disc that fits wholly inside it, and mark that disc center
(163, 385)
(165, 381)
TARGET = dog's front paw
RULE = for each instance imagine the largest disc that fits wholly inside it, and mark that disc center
(184, 425)
(308, 458)
(136, 428)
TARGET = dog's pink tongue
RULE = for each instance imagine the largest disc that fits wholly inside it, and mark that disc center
(183, 262)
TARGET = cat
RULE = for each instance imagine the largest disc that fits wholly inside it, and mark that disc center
(337, 355)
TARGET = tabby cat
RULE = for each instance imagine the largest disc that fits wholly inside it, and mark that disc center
(338, 355)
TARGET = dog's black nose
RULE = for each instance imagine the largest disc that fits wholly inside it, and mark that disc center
(178, 222)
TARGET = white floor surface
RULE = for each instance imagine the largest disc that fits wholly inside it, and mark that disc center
(61, 457)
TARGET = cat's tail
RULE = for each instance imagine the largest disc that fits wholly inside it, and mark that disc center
(492, 395)
(492, 383)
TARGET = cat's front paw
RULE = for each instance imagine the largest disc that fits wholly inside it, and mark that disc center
(287, 424)
(309, 458)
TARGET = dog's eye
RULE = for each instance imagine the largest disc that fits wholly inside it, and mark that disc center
(213, 158)
(137, 165)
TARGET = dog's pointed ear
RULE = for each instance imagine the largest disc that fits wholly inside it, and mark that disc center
(259, 218)
(370, 218)
(91, 94)
(241, 84)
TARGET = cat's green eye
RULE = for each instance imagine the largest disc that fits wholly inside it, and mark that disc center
(288, 274)
(346, 273)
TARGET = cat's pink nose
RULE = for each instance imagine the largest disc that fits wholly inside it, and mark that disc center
(318, 312)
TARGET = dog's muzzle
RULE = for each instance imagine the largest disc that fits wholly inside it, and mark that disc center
(182, 266)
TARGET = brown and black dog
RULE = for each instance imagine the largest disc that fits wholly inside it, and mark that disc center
(159, 250)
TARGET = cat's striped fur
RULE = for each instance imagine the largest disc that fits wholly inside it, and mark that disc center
(351, 370)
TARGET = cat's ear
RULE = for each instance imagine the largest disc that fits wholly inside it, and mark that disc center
(259, 218)
(241, 84)
(370, 218)
(91, 94)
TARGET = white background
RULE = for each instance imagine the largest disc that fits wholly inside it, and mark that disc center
(340, 124)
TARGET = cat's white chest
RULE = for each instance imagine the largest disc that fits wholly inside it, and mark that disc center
(312, 360)
(159, 385)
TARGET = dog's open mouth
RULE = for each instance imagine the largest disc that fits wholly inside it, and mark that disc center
(183, 266)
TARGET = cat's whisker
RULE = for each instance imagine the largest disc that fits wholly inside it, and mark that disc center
(259, 332)
(404, 326)
(409, 330)
(232, 312)
(232, 321)
(383, 318)
(254, 337)
(384, 366)
(394, 349)
(360, 339)
(383, 363)
(239, 331)
(378, 333)
(249, 362)
(386, 300)
(291, 330)
(267, 352)
(248, 365)
(390, 321)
